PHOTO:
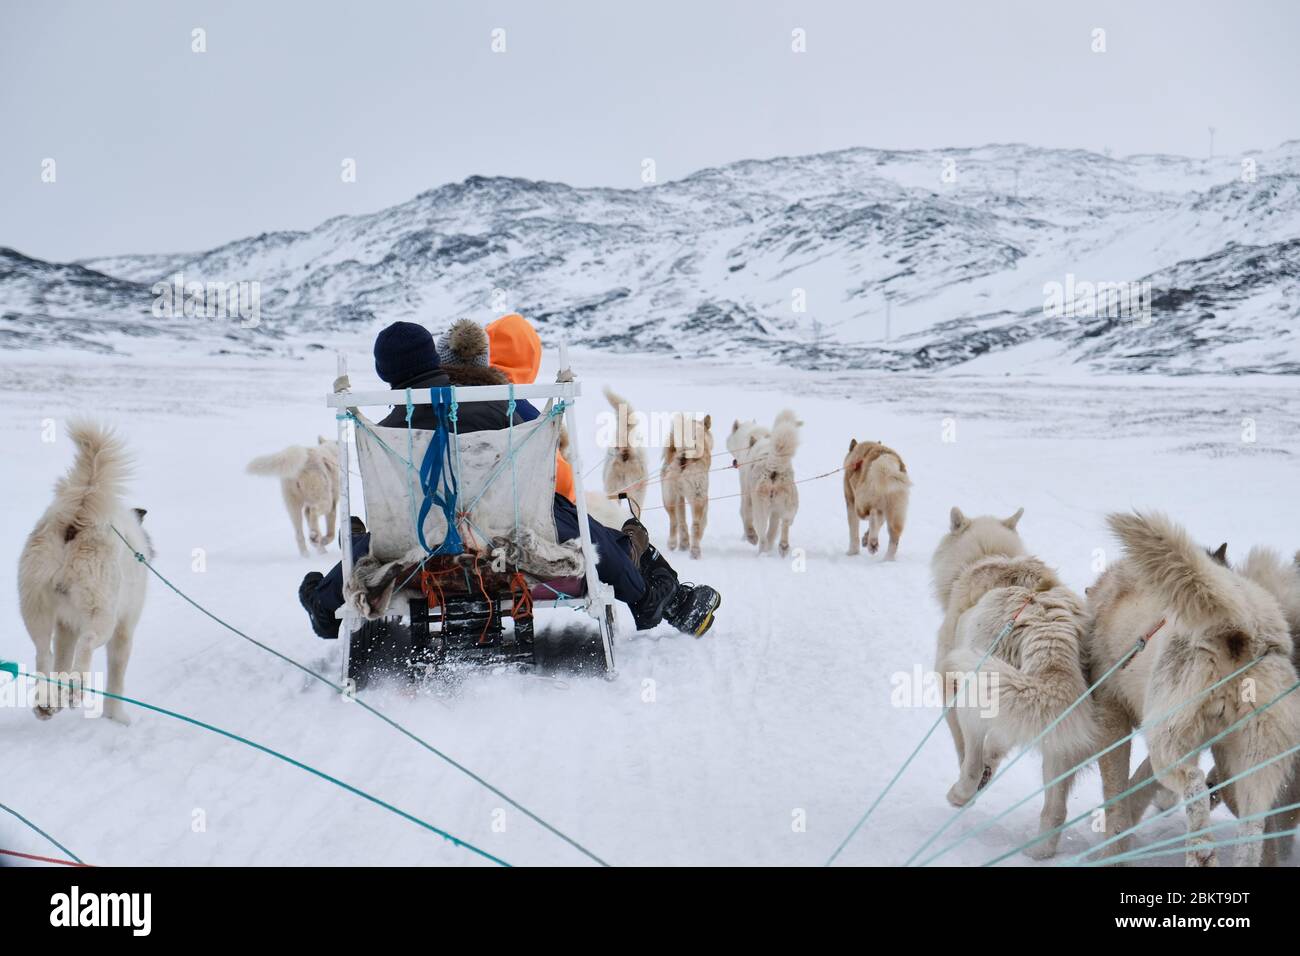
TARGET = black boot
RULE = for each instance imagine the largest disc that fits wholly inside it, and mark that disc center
(691, 608)
(323, 623)
(687, 607)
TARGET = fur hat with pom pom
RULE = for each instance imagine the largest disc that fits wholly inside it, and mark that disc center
(465, 344)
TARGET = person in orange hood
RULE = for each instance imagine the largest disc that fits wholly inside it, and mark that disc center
(515, 348)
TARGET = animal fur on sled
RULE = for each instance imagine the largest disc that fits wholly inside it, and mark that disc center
(369, 592)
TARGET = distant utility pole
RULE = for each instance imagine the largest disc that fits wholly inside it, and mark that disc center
(888, 317)
(1015, 189)
(817, 335)
(1212, 131)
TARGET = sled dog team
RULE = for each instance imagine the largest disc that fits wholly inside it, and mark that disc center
(876, 484)
(1178, 642)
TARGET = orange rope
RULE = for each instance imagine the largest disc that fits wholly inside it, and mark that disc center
(524, 599)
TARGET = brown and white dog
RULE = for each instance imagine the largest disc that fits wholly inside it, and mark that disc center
(309, 481)
(1012, 627)
(79, 585)
(688, 456)
(626, 470)
(876, 488)
(1206, 621)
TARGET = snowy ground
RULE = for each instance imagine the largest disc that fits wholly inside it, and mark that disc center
(782, 710)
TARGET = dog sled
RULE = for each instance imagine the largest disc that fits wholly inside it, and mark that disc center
(462, 532)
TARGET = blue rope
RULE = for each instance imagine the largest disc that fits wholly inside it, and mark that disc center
(287, 759)
(1192, 753)
(917, 749)
(557, 409)
(980, 828)
(410, 459)
(22, 819)
(514, 480)
(1150, 780)
(364, 705)
(438, 478)
(1141, 642)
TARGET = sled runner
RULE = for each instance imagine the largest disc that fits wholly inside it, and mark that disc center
(462, 530)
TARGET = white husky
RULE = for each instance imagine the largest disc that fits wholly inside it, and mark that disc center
(309, 481)
(775, 493)
(1206, 621)
(79, 586)
(989, 588)
(744, 437)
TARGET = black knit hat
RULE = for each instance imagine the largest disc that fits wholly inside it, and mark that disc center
(404, 351)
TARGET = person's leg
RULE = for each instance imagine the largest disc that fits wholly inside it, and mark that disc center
(630, 555)
(322, 595)
(614, 564)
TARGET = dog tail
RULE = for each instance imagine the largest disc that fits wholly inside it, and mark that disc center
(886, 475)
(282, 464)
(1180, 571)
(1028, 698)
(628, 418)
(1266, 568)
(785, 434)
(92, 490)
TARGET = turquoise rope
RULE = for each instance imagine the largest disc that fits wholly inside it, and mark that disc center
(974, 831)
(287, 759)
(375, 711)
(1024, 750)
(1236, 725)
(917, 749)
(1146, 853)
(410, 462)
(556, 409)
(1150, 848)
(510, 438)
(1218, 786)
(22, 819)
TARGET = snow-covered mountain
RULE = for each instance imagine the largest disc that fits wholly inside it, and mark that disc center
(790, 260)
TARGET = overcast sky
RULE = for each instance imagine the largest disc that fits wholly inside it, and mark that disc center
(158, 148)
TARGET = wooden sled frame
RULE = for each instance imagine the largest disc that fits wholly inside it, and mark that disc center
(599, 599)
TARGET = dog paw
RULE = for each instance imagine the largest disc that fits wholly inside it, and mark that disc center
(957, 796)
(44, 713)
(785, 550)
(117, 714)
(751, 536)
(695, 552)
(1202, 856)
(1044, 850)
(873, 547)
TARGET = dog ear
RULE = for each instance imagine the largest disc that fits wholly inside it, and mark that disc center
(853, 443)
(141, 512)
(1014, 519)
(956, 519)
(1220, 554)
(735, 426)
(708, 422)
(321, 439)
